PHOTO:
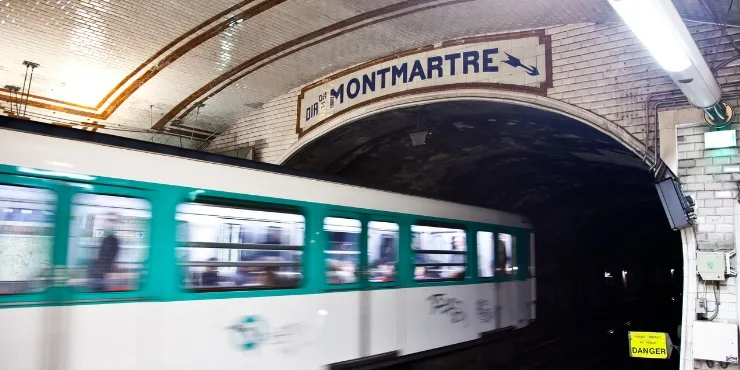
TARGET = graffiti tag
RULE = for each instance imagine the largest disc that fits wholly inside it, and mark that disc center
(252, 332)
(484, 310)
(441, 304)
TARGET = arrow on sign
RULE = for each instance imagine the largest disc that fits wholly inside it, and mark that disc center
(515, 62)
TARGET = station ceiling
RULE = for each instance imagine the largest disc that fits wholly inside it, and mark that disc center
(137, 65)
(579, 185)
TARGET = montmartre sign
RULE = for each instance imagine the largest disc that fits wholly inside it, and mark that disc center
(519, 61)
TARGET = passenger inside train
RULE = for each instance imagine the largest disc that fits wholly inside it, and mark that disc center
(439, 253)
(496, 254)
(222, 247)
(382, 251)
(232, 248)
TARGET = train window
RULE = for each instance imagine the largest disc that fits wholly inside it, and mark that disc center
(26, 238)
(485, 253)
(225, 248)
(108, 242)
(382, 250)
(505, 259)
(439, 253)
(342, 252)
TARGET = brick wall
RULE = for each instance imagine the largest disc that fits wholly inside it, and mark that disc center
(269, 129)
(602, 68)
(605, 69)
(709, 176)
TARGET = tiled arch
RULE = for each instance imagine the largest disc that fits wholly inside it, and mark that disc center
(609, 128)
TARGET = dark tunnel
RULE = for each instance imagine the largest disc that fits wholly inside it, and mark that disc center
(592, 201)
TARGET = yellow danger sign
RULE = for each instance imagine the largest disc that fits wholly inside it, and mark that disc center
(650, 345)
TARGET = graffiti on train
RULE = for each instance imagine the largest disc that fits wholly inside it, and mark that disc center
(443, 304)
(484, 310)
(253, 332)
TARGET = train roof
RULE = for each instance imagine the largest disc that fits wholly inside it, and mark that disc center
(120, 157)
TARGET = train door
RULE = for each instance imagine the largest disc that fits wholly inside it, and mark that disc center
(361, 253)
(104, 259)
(380, 319)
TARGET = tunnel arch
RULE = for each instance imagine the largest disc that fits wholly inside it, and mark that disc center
(584, 181)
(584, 116)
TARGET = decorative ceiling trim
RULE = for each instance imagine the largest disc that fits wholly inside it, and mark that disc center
(171, 45)
(6, 92)
(188, 46)
(132, 86)
(283, 50)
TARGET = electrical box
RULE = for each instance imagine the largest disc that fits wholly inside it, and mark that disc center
(678, 207)
(711, 265)
(715, 341)
(701, 306)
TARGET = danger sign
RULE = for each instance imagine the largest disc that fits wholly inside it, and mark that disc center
(650, 345)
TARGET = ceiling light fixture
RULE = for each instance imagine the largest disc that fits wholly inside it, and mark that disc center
(659, 27)
(420, 136)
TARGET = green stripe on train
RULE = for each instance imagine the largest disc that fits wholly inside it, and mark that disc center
(163, 280)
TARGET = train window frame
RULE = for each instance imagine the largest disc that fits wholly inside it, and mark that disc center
(358, 283)
(517, 259)
(466, 230)
(42, 294)
(363, 281)
(476, 231)
(523, 256)
(397, 276)
(145, 285)
(247, 205)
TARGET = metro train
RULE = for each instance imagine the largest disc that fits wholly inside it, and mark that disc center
(121, 254)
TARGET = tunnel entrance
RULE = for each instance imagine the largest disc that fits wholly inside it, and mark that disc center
(603, 240)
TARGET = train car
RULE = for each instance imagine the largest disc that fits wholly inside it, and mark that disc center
(120, 254)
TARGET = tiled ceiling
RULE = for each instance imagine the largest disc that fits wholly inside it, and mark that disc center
(136, 67)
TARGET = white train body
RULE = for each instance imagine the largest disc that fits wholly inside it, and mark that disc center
(163, 326)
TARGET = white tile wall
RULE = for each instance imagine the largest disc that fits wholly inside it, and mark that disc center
(702, 177)
(86, 47)
(601, 68)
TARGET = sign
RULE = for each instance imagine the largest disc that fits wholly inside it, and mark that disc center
(650, 345)
(720, 139)
(517, 61)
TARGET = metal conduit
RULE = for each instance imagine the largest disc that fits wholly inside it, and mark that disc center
(671, 99)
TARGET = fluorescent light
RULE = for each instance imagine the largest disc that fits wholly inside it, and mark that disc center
(652, 24)
(720, 139)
